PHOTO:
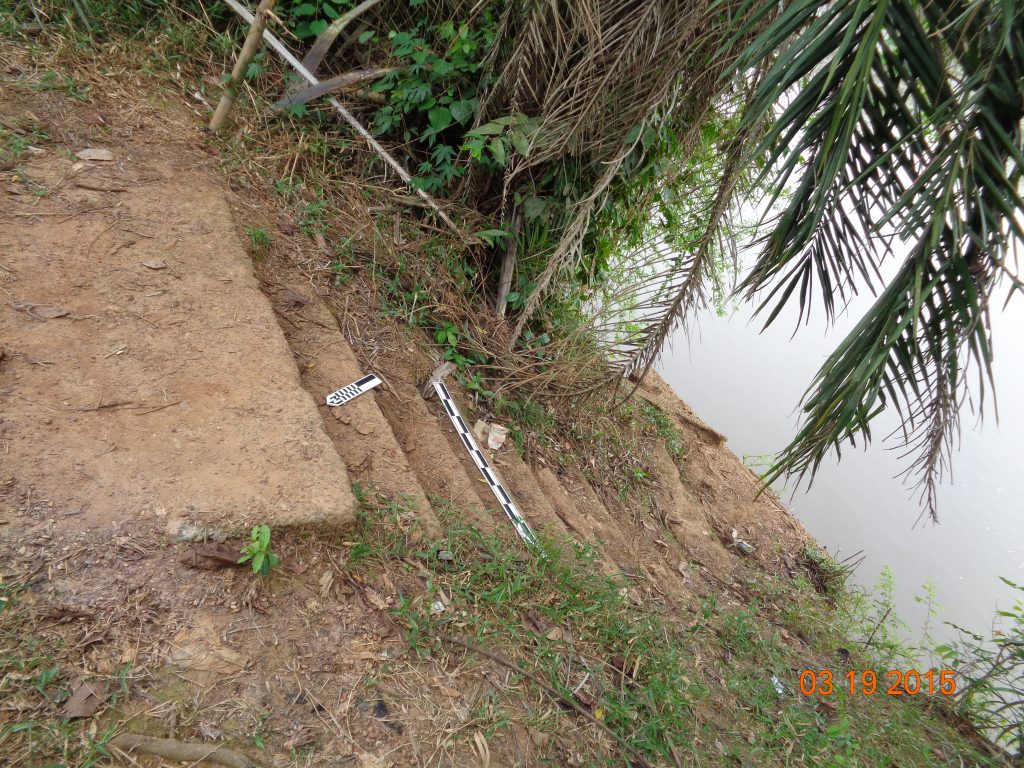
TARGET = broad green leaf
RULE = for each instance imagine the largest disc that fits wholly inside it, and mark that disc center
(489, 236)
(462, 110)
(521, 142)
(497, 147)
(440, 118)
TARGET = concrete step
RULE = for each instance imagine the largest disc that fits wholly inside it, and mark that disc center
(171, 399)
(359, 430)
(441, 465)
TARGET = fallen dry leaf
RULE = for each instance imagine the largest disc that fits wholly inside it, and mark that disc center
(374, 598)
(211, 556)
(85, 699)
(200, 648)
(326, 582)
(293, 297)
(483, 749)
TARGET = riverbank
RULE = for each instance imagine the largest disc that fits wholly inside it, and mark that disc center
(153, 417)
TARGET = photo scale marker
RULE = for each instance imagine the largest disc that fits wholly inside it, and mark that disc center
(504, 500)
(353, 390)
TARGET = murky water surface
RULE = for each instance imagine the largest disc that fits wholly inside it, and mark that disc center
(747, 384)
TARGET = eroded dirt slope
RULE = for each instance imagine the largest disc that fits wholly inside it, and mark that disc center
(150, 380)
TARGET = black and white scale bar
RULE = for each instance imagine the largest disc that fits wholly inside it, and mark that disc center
(355, 389)
(511, 510)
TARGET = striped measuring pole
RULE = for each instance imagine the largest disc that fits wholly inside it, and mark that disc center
(504, 500)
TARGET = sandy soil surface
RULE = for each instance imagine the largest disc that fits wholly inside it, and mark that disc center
(144, 378)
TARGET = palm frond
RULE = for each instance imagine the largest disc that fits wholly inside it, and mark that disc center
(906, 123)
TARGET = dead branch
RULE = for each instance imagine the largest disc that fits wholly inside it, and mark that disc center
(881, 621)
(508, 262)
(181, 751)
(252, 43)
(328, 36)
(287, 55)
(330, 86)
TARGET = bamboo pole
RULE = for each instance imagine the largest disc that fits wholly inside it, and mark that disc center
(287, 55)
(253, 40)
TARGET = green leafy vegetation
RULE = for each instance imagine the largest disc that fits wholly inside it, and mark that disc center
(917, 108)
(666, 428)
(259, 238)
(14, 144)
(257, 552)
(992, 668)
(601, 201)
(433, 98)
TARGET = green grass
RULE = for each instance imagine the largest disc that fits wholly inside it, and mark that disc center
(14, 144)
(53, 81)
(528, 421)
(692, 689)
(35, 681)
(665, 426)
(259, 238)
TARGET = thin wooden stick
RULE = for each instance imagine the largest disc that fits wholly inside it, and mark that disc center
(181, 751)
(881, 621)
(253, 40)
(287, 55)
(508, 263)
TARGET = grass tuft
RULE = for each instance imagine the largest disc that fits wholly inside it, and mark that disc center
(701, 688)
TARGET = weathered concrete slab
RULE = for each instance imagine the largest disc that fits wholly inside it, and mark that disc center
(145, 376)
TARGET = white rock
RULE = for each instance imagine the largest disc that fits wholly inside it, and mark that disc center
(97, 154)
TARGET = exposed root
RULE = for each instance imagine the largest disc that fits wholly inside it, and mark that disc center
(181, 751)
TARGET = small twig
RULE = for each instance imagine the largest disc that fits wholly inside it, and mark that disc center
(159, 408)
(115, 405)
(284, 27)
(557, 695)
(881, 621)
(99, 186)
(104, 231)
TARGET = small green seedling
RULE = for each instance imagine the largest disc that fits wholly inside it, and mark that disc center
(259, 238)
(257, 553)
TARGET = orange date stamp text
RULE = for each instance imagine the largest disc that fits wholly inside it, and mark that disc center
(895, 682)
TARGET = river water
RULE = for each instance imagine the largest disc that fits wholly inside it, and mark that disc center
(748, 384)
